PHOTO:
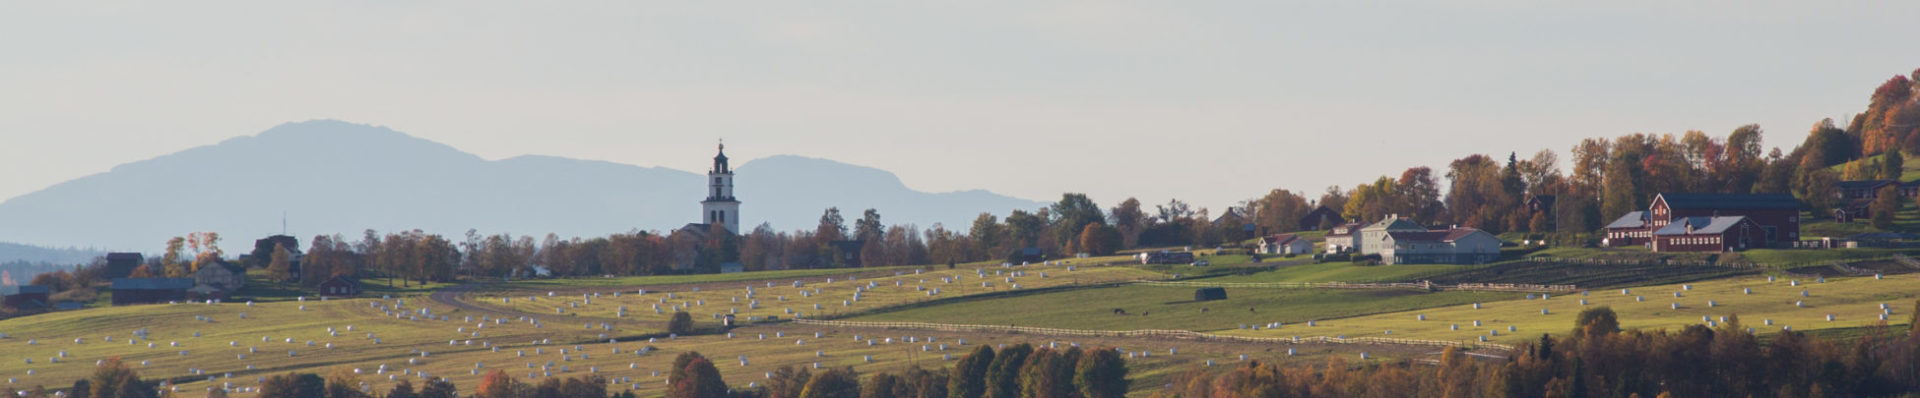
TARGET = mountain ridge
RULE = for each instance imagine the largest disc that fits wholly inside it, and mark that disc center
(330, 176)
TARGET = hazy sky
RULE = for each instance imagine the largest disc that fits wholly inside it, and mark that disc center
(1212, 102)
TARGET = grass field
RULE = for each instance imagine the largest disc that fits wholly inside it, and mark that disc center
(659, 280)
(1343, 272)
(522, 351)
(1853, 301)
(821, 300)
(1155, 307)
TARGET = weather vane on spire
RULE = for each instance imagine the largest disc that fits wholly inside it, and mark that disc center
(723, 144)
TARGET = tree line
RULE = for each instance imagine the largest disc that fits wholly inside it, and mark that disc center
(1597, 359)
(1018, 371)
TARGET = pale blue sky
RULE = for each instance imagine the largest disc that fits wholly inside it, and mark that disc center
(1212, 102)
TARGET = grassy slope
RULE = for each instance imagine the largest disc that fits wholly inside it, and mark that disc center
(1341, 272)
(1151, 307)
(833, 297)
(1854, 301)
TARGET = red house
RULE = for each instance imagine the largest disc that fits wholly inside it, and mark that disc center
(340, 286)
(1861, 189)
(1707, 234)
(1628, 230)
(1776, 215)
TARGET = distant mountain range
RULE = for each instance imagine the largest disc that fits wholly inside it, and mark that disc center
(337, 177)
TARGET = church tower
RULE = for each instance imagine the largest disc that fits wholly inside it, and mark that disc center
(720, 207)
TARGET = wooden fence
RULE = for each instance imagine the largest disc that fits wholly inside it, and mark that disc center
(1151, 333)
(1499, 287)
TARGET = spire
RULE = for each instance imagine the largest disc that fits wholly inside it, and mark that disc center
(720, 160)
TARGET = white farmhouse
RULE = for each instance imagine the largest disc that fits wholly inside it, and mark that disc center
(1448, 246)
(1372, 235)
(1285, 244)
(1340, 238)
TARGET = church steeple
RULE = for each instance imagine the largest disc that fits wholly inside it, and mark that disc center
(720, 207)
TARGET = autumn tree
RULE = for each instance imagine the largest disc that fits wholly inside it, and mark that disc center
(1003, 374)
(294, 385)
(832, 226)
(113, 379)
(1102, 373)
(344, 383)
(682, 323)
(1131, 221)
(402, 389)
(786, 382)
(171, 262)
(497, 384)
(280, 267)
(969, 378)
(1884, 206)
(698, 378)
(833, 383)
(1100, 239)
(439, 388)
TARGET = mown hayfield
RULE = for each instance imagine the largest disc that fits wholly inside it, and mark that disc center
(1159, 307)
(820, 299)
(524, 350)
(1344, 272)
(228, 343)
(662, 280)
(1853, 301)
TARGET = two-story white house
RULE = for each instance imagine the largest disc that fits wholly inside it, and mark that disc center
(1372, 235)
(1448, 246)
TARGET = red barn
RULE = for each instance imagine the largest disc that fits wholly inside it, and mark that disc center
(1776, 215)
(1707, 234)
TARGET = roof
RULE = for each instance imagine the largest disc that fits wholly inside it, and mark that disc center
(1545, 200)
(152, 283)
(348, 279)
(28, 289)
(1863, 184)
(1395, 222)
(1701, 225)
(1731, 201)
(1282, 239)
(1633, 219)
(123, 256)
(1447, 235)
(1349, 227)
